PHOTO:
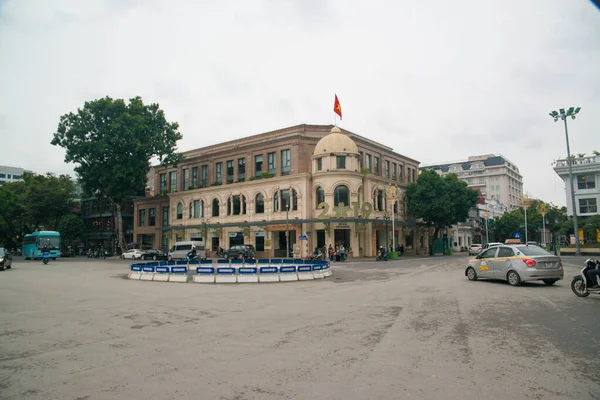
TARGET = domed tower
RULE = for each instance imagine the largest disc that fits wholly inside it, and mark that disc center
(336, 186)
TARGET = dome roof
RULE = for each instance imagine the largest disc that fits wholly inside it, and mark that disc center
(335, 142)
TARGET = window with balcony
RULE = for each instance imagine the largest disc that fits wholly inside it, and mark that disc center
(173, 179)
(258, 162)
(259, 204)
(340, 162)
(165, 213)
(230, 171)
(587, 206)
(186, 179)
(195, 177)
(141, 217)
(241, 169)
(152, 217)
(204, 175)
(586, 181)
(272, 163)
(286, 162)
(219, 173)
(163, 183)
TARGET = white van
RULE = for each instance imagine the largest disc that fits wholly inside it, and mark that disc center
(180, 249)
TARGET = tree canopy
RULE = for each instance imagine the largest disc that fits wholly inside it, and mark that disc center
(440, 201)
(112, 143)
(36, 201)
(514, 221)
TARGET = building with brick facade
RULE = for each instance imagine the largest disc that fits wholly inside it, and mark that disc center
(289, 190)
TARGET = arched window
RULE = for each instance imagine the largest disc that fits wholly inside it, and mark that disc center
(319, 196)
(259, 204)
(276, 202)
(229, 206)
(202, 208)
(179, 210)
(396, 207)
(379, 200)
(243, 201)
(341, 194)
(215, 208)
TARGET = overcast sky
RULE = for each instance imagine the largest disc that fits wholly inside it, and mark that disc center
(436, 80)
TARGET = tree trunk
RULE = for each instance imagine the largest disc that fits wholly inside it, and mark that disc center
(119, 226)
(432, 241)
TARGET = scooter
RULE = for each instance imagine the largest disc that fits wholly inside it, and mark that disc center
(382, 254)
(45, 257)
(581, 282)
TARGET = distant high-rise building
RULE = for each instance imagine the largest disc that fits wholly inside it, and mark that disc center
(11, 174)
(497, 178)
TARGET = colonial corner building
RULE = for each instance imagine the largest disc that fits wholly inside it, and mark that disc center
(292, 189)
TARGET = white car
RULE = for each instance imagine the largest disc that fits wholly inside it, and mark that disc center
(475, 249)
(134, 254)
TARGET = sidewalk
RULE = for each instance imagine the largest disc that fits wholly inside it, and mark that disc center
(404, 257)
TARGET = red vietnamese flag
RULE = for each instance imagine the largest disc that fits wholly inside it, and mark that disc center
(337, 108)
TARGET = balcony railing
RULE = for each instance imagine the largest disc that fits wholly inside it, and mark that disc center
(577, 161)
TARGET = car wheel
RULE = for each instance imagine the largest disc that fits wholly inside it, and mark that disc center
(550, 282)
(471, 274)
(154, 257)
(513, 278)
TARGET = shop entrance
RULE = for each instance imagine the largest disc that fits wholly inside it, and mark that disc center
(320, 238)
(215, 244)
(342, 237)
(281, 252)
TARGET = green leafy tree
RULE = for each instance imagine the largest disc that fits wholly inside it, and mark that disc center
(112, 143)
(71, 227)
(507, 224)
(440, 202)
(589, 226)
(36, 201)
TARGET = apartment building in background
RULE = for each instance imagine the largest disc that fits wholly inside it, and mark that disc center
(586, 179)
(499, 183)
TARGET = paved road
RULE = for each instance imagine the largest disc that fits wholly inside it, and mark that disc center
(408, 329)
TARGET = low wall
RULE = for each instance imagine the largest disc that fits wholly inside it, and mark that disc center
(586, 251)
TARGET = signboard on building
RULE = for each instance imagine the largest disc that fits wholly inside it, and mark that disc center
(236, 234)
(302, 237)
(341, 225)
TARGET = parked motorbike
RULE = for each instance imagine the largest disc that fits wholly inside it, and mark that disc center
(581, 284)
(382, 254)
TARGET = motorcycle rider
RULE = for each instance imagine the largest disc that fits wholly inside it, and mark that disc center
(192, 253)
(592, 276)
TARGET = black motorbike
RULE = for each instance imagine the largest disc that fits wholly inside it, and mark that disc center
(582, 285)
(382, 254)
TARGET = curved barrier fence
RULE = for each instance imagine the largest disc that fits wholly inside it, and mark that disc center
(234, 271)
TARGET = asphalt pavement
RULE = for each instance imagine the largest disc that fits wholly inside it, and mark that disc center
(414, 328)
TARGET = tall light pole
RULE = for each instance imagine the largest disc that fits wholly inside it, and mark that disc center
(543, 210)
(287, 232)
(487, 236)
(525, 204)
(571, 112)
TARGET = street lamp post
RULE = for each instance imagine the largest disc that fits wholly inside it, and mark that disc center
(287, 232)
(387, 242)
(571, 112)
(525, 204)
(487, 236)
(543, 210)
